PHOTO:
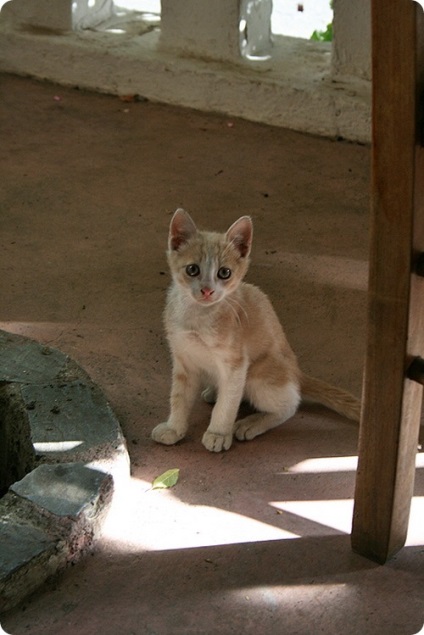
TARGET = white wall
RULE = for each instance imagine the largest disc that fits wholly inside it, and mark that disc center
(352, 38)
(212, 55)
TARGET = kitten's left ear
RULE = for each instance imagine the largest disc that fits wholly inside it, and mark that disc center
(241, 234)
(181, 229)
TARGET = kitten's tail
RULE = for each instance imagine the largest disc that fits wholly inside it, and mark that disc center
(336, 399)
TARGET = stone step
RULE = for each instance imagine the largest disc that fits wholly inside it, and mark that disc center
(61, 450)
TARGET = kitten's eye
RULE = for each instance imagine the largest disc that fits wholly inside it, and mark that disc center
(192, 270)
(224, 273)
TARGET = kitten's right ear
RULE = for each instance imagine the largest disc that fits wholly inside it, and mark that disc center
(181, 229)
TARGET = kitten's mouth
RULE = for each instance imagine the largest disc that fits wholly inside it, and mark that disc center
(208, 300)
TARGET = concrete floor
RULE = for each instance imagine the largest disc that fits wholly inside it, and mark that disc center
(248, 541)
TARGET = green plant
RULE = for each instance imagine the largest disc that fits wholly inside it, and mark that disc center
(323, 36)
(327, 35)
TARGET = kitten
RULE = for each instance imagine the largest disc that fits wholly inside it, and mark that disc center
(224, 334)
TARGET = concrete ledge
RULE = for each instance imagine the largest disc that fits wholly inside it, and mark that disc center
(61, 449)
(293, 89)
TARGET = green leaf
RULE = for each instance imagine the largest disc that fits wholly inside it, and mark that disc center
(167, 479)
(323, 36)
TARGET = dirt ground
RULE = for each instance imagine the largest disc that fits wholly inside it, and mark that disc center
(255, 539)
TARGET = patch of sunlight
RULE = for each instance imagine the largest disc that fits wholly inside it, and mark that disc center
(326, 465)
(36, 328)
(151, 6)
(2, 632)
(274, 596)
(329, 464)
(144, 519)
(336, 514)
(415, 536)
(56, 446)
(419, 461)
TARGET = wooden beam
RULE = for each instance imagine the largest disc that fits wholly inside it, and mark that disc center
(392, 402)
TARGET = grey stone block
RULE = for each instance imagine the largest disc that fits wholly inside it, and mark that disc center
(68, 490)
(23, 360)
(20, 544)
(28, 556)
(70, 421)
(48, 520)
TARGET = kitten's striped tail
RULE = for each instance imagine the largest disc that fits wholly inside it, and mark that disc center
(336, 399)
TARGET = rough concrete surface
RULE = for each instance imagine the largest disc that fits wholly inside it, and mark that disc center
(255, 539)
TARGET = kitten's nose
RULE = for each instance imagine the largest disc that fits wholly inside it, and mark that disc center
(206, 292)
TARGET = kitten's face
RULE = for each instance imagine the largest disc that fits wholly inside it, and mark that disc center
(208, 266)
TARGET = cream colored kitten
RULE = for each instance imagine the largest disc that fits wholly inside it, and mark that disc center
(225, 337)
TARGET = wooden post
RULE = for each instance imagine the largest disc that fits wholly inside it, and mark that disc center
(392, 402)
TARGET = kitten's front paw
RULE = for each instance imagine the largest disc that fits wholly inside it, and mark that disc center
(166, 435)
(217, 442)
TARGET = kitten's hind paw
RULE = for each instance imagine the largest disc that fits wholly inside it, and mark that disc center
(166, 435)
(217, 442)
(248, 431)
(256, 424)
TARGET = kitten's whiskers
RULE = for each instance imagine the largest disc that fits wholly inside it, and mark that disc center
(231, 301)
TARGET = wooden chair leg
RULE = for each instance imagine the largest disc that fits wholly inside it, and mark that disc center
(392, 401)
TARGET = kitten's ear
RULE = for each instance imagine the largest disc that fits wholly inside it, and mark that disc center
(181, 229)
(241, 234)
